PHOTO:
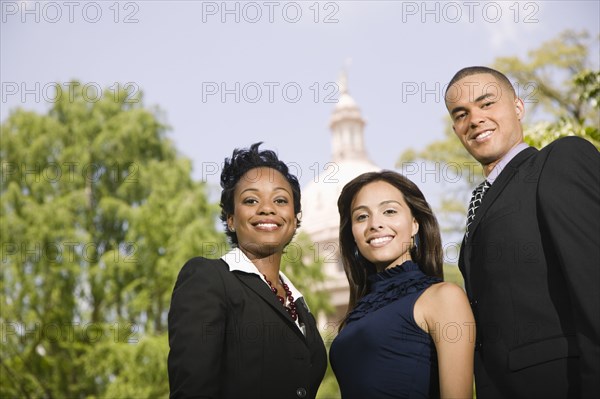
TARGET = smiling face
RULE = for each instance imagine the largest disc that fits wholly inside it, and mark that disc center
(382, 224)
(486, 117)
(263, 219)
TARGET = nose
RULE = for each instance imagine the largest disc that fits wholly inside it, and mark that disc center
(374, 223)
(477, 118)
(266, 208)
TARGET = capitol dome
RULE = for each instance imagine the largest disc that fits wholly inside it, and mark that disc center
(320, 218)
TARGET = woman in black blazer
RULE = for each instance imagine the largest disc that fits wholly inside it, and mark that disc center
(238, 328)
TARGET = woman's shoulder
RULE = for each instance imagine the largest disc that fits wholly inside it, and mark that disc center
(445, 302)
(445, 291)
(444, 298)
(445, 295)
(200, 261)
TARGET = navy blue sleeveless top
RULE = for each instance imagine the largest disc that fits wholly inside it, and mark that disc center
(381, 352)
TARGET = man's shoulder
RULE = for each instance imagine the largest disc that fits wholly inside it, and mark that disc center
(570, 158)
(569, 145)
(570, 153)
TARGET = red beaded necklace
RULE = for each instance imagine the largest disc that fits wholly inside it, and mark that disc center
(291, 306)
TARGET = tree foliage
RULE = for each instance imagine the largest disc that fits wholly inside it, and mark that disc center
(98, 214)
(304, 266)
(564, 94)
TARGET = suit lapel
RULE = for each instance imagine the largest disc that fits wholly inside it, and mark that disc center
(488, 200)
(254, 282)
(304, 317)
(311, 331)
(503, 178)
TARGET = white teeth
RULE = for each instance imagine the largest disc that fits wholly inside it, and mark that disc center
(267, 225)
(483, 135)
(380, 240)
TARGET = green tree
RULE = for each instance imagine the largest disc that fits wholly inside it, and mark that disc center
(98, 213)
(561, 91)
(303, 265)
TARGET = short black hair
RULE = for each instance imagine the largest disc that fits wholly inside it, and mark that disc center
(242, 160)
(475, 70)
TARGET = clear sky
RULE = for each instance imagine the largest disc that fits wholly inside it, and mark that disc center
(227, 74)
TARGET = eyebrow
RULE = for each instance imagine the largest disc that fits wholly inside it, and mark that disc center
(380, 204)
(478, 99)
(275, 189)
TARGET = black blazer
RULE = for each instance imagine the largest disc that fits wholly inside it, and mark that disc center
(531, 266)
(230, 337)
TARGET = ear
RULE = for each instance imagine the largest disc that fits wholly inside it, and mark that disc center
(230, 222)
(415, 228)
(519, 108)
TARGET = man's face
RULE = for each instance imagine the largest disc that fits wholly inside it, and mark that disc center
(486, 117)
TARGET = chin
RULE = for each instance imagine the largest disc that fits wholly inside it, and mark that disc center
(269, 248)
(381, 263)
(484, 159)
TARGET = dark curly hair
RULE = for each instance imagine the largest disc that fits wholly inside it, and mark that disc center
(241, 161)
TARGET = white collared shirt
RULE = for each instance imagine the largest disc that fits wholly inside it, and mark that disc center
(504, 161)
(238, 261)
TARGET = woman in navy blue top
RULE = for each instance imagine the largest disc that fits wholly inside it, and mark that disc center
(407, 334)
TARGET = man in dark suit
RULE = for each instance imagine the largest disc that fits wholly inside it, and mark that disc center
(531, 254)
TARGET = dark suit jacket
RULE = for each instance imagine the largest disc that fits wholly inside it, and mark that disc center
(229, 337)
(531, 266)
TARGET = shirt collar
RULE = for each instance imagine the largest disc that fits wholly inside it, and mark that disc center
(238, 261)
(504, 161)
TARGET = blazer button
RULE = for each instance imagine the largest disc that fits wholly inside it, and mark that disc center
(301, 392)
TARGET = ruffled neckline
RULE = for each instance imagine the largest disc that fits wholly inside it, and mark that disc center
(390, 285)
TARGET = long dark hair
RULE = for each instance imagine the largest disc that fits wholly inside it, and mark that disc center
(427, 253)
(241, 161)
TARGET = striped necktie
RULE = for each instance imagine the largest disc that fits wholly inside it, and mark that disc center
(475, 202)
